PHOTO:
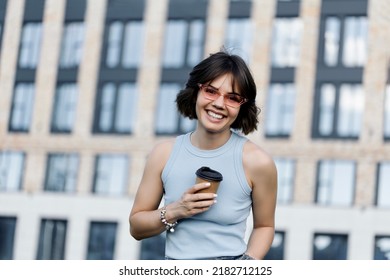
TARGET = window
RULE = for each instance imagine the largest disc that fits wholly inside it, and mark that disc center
(7, 236)
(276, 252)
(383, 185)
(11, 170)
(330, 246)
(3, 7)
(111, 174)
(65, 106)
(168, 120)
(286, 42)
(61, 173)
(286, 173)
(382, 248)
(340, 111)
(30, 45)
(101, 243)
(335, 185)
(72, 45)
(22, 107)
(239, 37)
(349, 48)
(153, 248)
(387, 114)
(280, 110)
(124, 44)
(116, 109)
(183, 44)
(52, 240)
(342, 53)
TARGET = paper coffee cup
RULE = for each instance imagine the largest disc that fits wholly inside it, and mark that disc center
(206, 174)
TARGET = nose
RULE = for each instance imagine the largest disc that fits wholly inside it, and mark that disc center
(219, 102)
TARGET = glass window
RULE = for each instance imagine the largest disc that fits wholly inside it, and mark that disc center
(30, 45)
(153, 248)
(183, 44)
(238, 37)
(327, 109)
(11, 170)
(1, 33)
(22, 107)
(336, 183)
(383, 185)
(7, 236)
(355, 41)
(65, 106)
(286, 174)
(340, 110)
(168, 120)
(111, 174)
(286, 42)
(330, 246)
(116, 110)
(61, 172)
(125, 43)
(276, 252)
(280, 110)
(332, 41)
(52, 240)
(387, 113)
(382, 248)
(72, 45)
(348, 35)
(101, 243)
(351, 105)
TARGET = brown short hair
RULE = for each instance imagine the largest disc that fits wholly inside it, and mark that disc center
(212, 67)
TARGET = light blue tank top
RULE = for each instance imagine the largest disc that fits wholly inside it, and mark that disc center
(220, 231)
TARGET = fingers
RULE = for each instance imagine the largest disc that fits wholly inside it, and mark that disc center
(195, 203)
(198, 187)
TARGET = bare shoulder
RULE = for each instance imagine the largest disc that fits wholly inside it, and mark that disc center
(161, 151)
(258, 164)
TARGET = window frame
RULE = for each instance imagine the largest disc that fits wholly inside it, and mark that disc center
(333, 163)
(102, 226)
(10, 223)
(114, 120)
(335, 133)
(96, 177)
(341, 236)
(69, 173)
(54, 235)
(22, 167)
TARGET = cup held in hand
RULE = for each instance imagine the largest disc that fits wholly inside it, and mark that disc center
(206, 174)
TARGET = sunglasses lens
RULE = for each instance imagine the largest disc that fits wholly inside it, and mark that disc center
(232, 100)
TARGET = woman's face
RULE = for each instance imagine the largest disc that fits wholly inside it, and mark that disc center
(213, 115)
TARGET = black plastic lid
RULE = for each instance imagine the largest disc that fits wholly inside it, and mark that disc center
(209, 174)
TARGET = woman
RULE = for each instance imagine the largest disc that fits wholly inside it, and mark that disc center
(220, 94)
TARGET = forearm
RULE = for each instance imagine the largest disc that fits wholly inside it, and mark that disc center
(260, 242)
(147, 224)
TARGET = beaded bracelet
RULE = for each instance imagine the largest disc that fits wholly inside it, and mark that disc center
(168, 226)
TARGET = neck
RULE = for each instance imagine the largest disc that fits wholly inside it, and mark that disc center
(209, 141)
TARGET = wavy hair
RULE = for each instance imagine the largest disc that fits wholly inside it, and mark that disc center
(209, 69)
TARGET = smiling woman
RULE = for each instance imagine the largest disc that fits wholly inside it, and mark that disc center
(220, 95)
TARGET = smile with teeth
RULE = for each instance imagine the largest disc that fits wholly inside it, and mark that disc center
(214, 115)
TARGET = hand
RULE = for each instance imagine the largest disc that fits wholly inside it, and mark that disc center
(192, 203)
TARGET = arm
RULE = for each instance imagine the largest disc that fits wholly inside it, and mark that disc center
(261, 171)
(144, 218)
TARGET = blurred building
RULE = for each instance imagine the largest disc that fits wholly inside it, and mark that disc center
(87, 88)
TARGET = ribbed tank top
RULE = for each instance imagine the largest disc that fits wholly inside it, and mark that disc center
(220, 231)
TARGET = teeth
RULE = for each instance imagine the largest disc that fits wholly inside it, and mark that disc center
(214, 115)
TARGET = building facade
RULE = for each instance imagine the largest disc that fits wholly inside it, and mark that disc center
(87, 87)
